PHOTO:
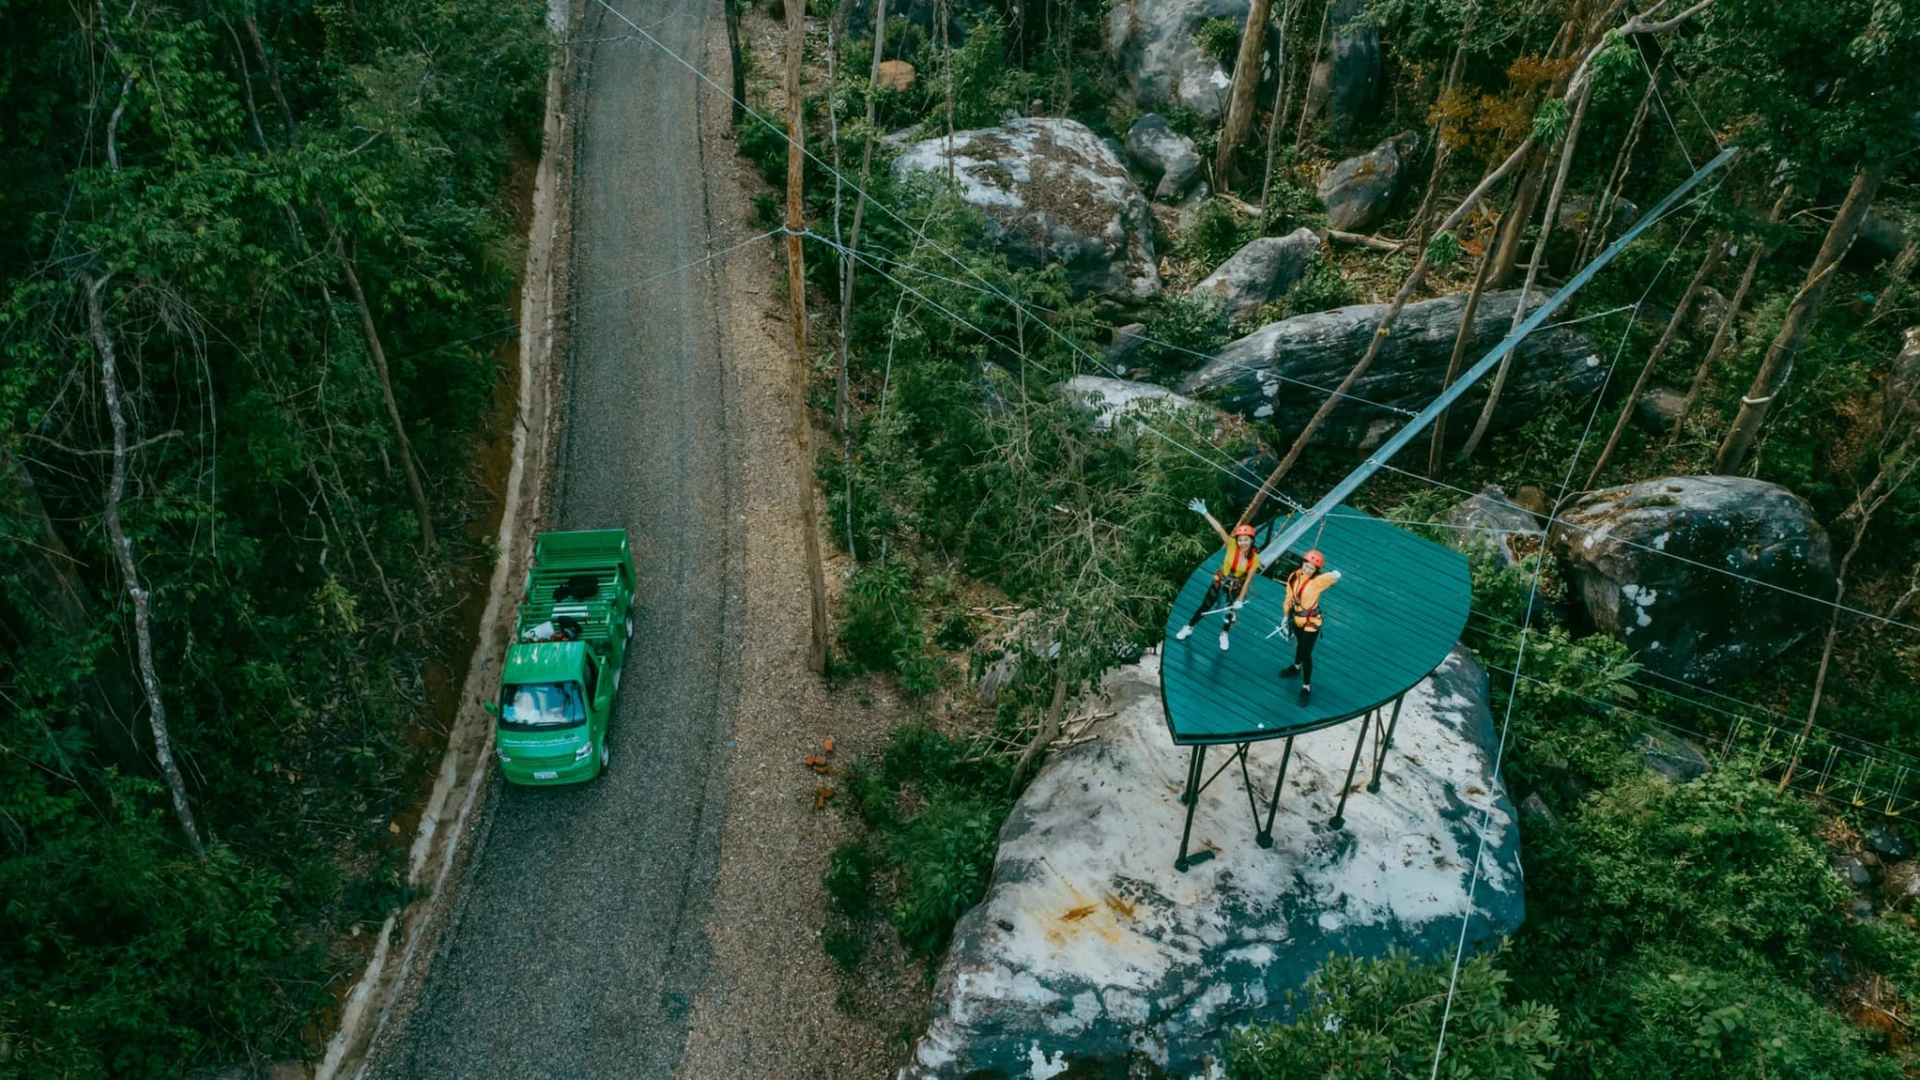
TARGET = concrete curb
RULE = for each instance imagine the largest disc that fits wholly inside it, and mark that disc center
(459, 790)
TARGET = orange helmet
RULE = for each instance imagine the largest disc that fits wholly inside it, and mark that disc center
(1315, 559)
(1243, 530)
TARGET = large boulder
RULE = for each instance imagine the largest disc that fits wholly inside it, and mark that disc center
(1702, 576)
(1105, 400)
(1263, 270)
(1881, 237)
(1092, 953)
(1576, 216)
(1052, 192)
(1360, 190)
(1152, 44)
(1164, 156)
(1284, 370)
(1491, 522)
(1345, 85)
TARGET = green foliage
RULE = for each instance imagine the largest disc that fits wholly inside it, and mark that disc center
(932, 808)
(1443, 250)
(1321, 287)
(1381, 1018)
(1217, 232)
(881, 629)
(1290, 205)
(1219, 39)
(1182, 331)
(1550, 121)
(986, 88)
(264, 505)
(1824, 82)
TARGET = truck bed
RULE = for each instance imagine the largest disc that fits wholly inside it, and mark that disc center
(561, 557)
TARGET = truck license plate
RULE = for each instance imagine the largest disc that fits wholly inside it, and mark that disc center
(546, 774)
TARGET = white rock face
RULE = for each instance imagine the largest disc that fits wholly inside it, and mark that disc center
(1053, 192)
(1090, 950)
(1108, 399)
(1152, 44)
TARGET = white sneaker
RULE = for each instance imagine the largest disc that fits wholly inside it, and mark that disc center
(1223, 641)
(1185, 633)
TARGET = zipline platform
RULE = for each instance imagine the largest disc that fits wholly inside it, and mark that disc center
(1396, 612)
(1392, 618)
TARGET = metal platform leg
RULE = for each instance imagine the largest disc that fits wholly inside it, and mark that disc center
(1265, 837)
(1340, 812)
(1246, 781)
(1373, 787)
(1192, 799)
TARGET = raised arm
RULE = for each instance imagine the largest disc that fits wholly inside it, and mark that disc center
(1199, 506)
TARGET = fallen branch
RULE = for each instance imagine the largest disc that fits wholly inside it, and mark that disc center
(1371, 242)
(129, 567)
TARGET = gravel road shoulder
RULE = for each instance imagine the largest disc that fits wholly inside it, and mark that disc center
(773, 1006)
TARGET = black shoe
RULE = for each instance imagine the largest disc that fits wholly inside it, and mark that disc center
(1306, 694)
(1290, 671)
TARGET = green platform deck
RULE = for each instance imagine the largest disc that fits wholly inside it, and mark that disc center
(1395, 614)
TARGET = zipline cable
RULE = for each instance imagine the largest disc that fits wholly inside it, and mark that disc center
(1566, 482)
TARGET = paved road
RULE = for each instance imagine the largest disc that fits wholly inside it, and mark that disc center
(577, 947)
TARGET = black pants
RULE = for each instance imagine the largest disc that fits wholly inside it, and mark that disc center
(1222, 588)
(1303, 641)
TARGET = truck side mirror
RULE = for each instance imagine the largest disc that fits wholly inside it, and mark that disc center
(493, 708)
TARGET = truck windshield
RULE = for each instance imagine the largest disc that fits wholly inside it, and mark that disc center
(542, 705)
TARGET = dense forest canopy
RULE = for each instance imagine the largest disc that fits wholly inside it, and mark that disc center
(1674, 929)
(256, 262)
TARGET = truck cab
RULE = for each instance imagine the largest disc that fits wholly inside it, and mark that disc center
(564, 663)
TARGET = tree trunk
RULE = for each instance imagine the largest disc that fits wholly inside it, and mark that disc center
(1414, 278)
(1707, 266)
(797, 290)
(1319, 46)
(1895, 469)
(1279, 113)
(1246, 79)
(1460, 339)
(946, 66)
(1772, 376)
(1601, 215)
(379, 357)
(1440, 148)
(1506, 254)
(1043, 738)
(1567, 145)
(130, 570)
(1724, 333)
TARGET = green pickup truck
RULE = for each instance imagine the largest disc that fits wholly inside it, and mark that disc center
(563, 666)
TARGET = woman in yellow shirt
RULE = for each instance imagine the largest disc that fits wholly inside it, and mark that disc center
(1234, 577)
(1304, 587)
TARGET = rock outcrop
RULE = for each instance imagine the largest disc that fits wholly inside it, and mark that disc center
(1152, 45)
(1284, 370)
(1699, 575)
(1658, 408)
(1360, 190)
(1164, 156)
(1345, 85)
(1090, 952)
(1105, 400)
(1263, 270)
(1052, 192)
(1491, 522)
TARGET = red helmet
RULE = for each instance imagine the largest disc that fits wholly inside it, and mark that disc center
(1315, 559)
(1243, 530)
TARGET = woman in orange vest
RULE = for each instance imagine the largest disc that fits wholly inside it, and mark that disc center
(1304, 587)
(1235, 575)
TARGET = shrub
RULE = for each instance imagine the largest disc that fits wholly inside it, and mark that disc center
(1290, 205)
(1381, 1018)
(1320, 288)
(945, 854)
(1183, 331)
(1216, 232)
(1220, 39)
(881, 629)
